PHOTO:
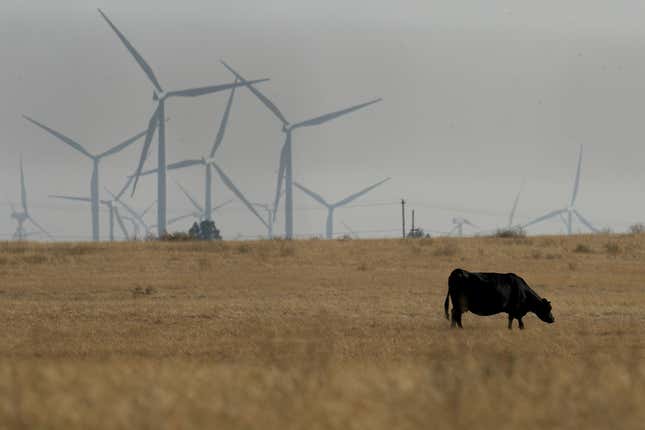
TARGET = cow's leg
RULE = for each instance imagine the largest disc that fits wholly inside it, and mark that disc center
(456, 318)
(521, 324)
(510, 321)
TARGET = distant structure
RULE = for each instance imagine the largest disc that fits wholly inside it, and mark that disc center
(270, 217)
(157, 121)
(285, 170)
(351, 232)
(512, 214)
(94, 182)
(199, 213)
(459, 223)
(332, 206)
(21, 217)
(570, 210)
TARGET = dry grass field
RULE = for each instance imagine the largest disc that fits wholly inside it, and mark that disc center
(317, 334)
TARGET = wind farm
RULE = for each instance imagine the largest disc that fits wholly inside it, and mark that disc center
(274, 215)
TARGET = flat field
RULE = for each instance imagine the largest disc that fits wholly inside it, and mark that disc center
(318, 334)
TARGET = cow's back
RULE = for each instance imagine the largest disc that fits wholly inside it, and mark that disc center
(481, 293)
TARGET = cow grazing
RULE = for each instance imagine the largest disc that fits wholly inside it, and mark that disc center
(492, 293)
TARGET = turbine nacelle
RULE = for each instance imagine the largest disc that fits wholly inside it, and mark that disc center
(159, 96)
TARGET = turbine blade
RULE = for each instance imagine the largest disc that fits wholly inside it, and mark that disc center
(281, 170)
(39, 227)
(23, 188)
(200, 91)
(264, 99)
(177, 165)
(227, 181)
(585, 222)
(119, 221)
(152, 126)
(138, 58)
(313, 195)
(192, 200)
(146, 210)
(576, 184)
(517, 199)
(330, 116)
(60, 136)
(220, 206)
(545, 217)
(179, 218)
(125, 187)
(222, 126)
(76, 199)
(360, 193)
(123, 145)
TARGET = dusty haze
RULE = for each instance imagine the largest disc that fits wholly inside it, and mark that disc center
(476, 98)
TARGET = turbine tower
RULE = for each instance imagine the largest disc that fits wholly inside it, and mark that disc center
(157, 122)
(94, 182)
(22, 217)
(285, 171)
(332, 206)
(206, 162)
(570, 211)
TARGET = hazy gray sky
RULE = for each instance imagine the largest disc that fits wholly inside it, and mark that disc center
(477, 96)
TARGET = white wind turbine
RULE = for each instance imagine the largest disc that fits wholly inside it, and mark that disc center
(459, 223)
(94, 183)
(515, 202)
(285, 171)
(270, 212)
(351, 232)
(332, 206)
(206, 162)
(138, 216)
(113, 210)
(567, 213)
(157, 122)
(21, 217)
(199, 213)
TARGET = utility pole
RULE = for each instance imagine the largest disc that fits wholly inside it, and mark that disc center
(403, 215)
(412, 229)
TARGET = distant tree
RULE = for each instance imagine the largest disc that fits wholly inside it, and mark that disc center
(637, 228)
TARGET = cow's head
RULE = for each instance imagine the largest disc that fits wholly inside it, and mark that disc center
(543, 311)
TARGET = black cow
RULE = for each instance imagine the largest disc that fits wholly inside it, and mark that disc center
(492, 293)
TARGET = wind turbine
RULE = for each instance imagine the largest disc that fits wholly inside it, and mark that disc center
(352, 233)
(112, 208)
(22, 217)
(459, 223)
(270, 217)
(570, 211)
(285, 171)
(94, 183)
(332, 206)
(157, 122)
(199, 213)
(205, 161)
(515, 202)
(136, 215)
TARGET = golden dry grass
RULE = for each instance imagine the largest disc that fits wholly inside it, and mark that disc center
(317, 334)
